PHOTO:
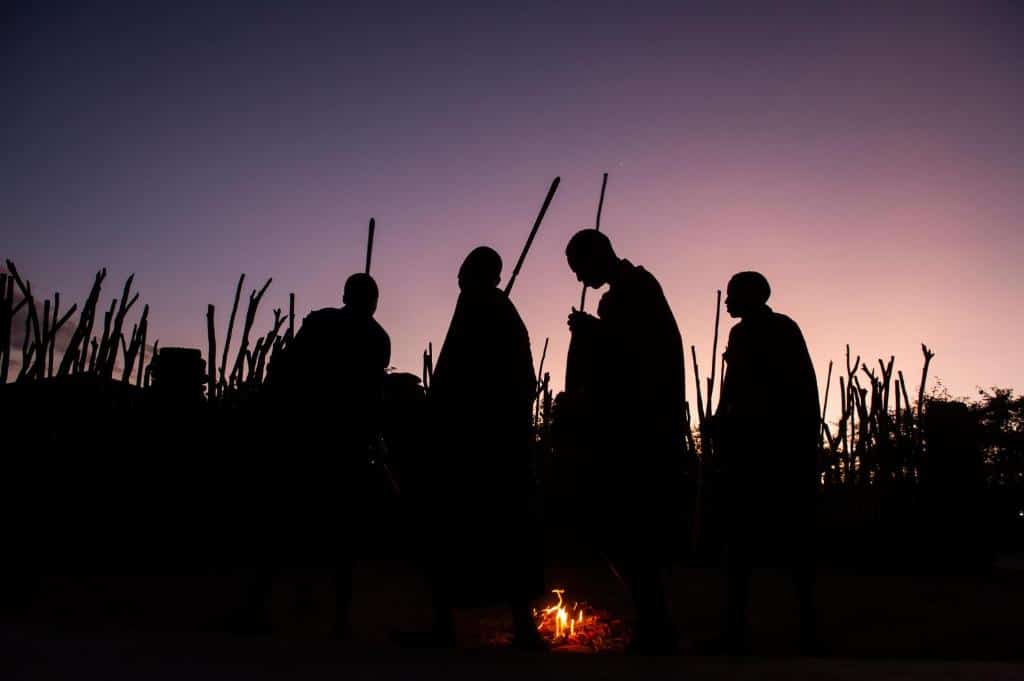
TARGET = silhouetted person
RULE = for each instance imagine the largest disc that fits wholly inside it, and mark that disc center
(484, 538)
(768, 425)
(327, 389)
(634, 427)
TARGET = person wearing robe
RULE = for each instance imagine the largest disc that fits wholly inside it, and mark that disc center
(325, 392)
(484, 539)
(768, 424)
(633, 425)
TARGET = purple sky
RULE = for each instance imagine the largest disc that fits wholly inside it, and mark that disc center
(869, 162)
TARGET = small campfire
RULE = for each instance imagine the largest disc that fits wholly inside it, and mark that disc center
(575, 626)
(567, 626)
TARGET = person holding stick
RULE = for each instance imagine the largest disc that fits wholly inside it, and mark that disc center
(483, 539)
(633, 426)
(767, 425)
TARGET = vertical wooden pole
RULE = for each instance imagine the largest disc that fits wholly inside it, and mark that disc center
(714, 352)
(597, 226)
(369, 245)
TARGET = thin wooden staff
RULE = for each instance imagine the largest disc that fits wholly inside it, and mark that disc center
(597, 226)
(714, 352)
(533, 233)
(369, 245)
(696, 377)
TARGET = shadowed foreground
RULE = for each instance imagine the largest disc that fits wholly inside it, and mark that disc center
(170, 627)
(208, 658)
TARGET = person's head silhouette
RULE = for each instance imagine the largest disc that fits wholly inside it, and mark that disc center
(746, 294)
(591, 257)
(480, 270)
(361, 294)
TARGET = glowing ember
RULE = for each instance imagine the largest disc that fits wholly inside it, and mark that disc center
(577, 626)
(570, 627)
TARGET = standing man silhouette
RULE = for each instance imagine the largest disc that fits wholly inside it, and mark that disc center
(484, 541)
(634, 425)
(327, 386)
(768, 425)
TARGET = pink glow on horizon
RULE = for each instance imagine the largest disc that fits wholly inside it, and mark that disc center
(868, 163)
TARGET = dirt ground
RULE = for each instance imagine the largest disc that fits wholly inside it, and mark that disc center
(172, 626)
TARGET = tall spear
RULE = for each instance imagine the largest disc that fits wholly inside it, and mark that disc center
(597, 226)
(714, 353)
(369, 245)
(533, 233)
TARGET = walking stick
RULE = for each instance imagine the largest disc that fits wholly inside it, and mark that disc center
(597, 226)
(533, 233)
(369, 245)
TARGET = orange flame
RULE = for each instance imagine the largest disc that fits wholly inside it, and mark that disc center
(561, 623)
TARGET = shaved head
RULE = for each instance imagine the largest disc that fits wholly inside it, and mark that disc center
(480, 269)
(591, 257)
(361, 293)
(747, 292)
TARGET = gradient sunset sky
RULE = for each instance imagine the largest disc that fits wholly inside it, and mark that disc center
(868, 160)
